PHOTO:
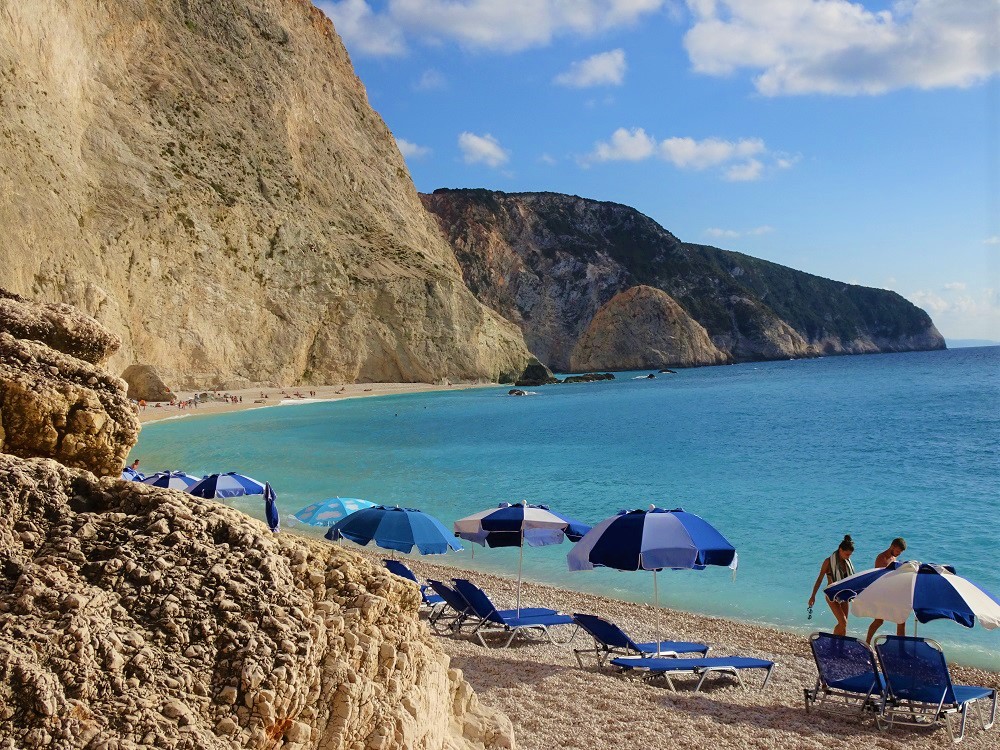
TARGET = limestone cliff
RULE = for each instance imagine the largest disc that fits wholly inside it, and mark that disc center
(640, 328)
(549, 262)
(208, 180)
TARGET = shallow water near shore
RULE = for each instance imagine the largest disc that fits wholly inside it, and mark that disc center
(783, 457)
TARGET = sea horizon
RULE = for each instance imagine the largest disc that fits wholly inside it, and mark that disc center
(783, 457)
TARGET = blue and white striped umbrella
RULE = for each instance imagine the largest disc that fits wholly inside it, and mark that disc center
(847, 588)
(174, 480)
(131, 475)
(328, 512)
(930, 592)
(513, 525)
(652, 540)
(229, 484)
(399, 529)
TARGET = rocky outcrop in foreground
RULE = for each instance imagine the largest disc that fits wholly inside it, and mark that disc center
(132, 616)
(55, 399)
(641, 328)
(137, 617)
(208, 180)
(550, 262)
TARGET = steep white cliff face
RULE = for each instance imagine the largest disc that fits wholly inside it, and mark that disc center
(209, 181)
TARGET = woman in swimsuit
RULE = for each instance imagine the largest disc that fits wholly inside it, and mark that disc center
(836, 567)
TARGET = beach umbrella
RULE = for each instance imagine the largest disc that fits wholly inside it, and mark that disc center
(131, 475)
(328, 512)
(271, 508)
(929, 592)
(174, 480)
(514, 525)
(847, 588)
(399, 529)
(229, 484)
(652, 540)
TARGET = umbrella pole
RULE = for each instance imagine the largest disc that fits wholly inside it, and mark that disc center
(656, 600)
(520, 562)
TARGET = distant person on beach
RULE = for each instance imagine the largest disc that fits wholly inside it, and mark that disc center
(836, 567)
(135, 465)
(884, 560)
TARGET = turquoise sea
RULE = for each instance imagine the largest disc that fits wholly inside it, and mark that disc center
(783, 457)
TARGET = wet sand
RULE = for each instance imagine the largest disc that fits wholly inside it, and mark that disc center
(253, 398)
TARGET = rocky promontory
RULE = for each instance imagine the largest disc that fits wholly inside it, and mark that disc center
(551, 262)
(642, 328)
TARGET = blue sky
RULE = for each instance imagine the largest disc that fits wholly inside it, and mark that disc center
(855, 140)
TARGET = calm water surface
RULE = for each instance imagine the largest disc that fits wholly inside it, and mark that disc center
(783, 457)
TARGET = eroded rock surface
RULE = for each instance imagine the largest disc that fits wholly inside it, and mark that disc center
(132, 616)
(641, 328)
(53, 403)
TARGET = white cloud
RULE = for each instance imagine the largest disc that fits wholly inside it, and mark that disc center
(482, 149)
(603, 69)
(411, 150)
(931, 301)
(479, 24)
(955, 286)
(734, 233)
(364, 30)
(748, 171)
(430, 80)
(841, 47)
(740, 157)
(687, 153)
(548, 160)
(625, 145)
(994, 240)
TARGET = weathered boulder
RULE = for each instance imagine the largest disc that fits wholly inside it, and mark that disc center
(642, 328)
(535, 373)
(60, 327)
(144, 384)
(589, 377)
(133, 616)
(54, 404)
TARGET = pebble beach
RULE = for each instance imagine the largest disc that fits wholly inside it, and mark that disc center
(554, 703)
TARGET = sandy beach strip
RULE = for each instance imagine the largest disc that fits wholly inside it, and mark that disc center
(555, 704)
(258, 398)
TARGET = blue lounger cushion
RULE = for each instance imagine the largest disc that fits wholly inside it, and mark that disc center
(702, 667)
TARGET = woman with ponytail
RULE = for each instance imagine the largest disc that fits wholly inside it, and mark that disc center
(836, 567)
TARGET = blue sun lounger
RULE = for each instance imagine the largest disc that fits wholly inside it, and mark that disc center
(400, 569)
(455, 612)
(610, 639)
(525, 621)
(849, 680)
(652, 667)
(919, 690)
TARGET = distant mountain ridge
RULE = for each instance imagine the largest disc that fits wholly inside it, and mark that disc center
(550, 262)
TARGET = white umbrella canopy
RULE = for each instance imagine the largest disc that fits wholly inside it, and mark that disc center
(930, 592)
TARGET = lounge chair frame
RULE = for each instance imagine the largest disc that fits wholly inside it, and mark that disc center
(532, 623)
(455, 612)
(828, 695)
(921, 714)
(623, 645)
(700, 668)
